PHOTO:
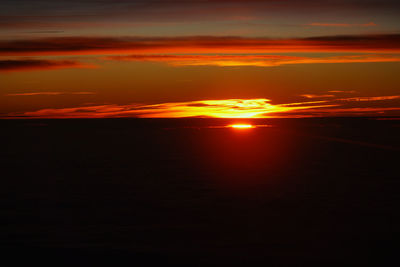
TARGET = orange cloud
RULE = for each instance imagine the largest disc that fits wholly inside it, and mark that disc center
(213, 60)
(252, 60)
(316, 96)
(38, 64)
(229, 108)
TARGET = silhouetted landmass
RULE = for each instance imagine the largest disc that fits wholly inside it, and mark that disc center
(186, 192)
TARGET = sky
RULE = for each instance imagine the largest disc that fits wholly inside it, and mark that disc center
(199, 58)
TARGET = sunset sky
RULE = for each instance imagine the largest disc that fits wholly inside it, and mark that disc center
(220, 58)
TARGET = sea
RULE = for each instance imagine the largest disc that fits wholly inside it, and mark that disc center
(197, 192)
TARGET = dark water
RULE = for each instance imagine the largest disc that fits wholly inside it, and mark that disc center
(135, 192)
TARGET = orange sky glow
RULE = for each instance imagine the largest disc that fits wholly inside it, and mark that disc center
(228, 108)
(224, 59)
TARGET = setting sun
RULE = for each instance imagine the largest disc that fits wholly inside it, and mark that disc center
(241, 126)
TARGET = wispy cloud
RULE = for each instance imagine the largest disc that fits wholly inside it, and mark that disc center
(50, 93)
(319, 24)
(228, 108)
(252, 60)
(336, 111)
(198, 45)
(212, 60)
(39, 64)
(316, 96)
(374, 98)
(342, 91)
(351, 106)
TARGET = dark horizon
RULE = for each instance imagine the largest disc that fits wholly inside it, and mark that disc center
(182, 192)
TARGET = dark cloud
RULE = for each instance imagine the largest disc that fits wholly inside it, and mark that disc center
(175, 10)
(35, 64)
(141, 5)
(209, 44)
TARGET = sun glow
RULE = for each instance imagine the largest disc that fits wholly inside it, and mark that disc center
(241, 126)
(226, 108)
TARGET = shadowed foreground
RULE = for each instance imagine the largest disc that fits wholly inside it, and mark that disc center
(137, 192)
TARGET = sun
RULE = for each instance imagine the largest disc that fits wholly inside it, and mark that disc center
(241, 126)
